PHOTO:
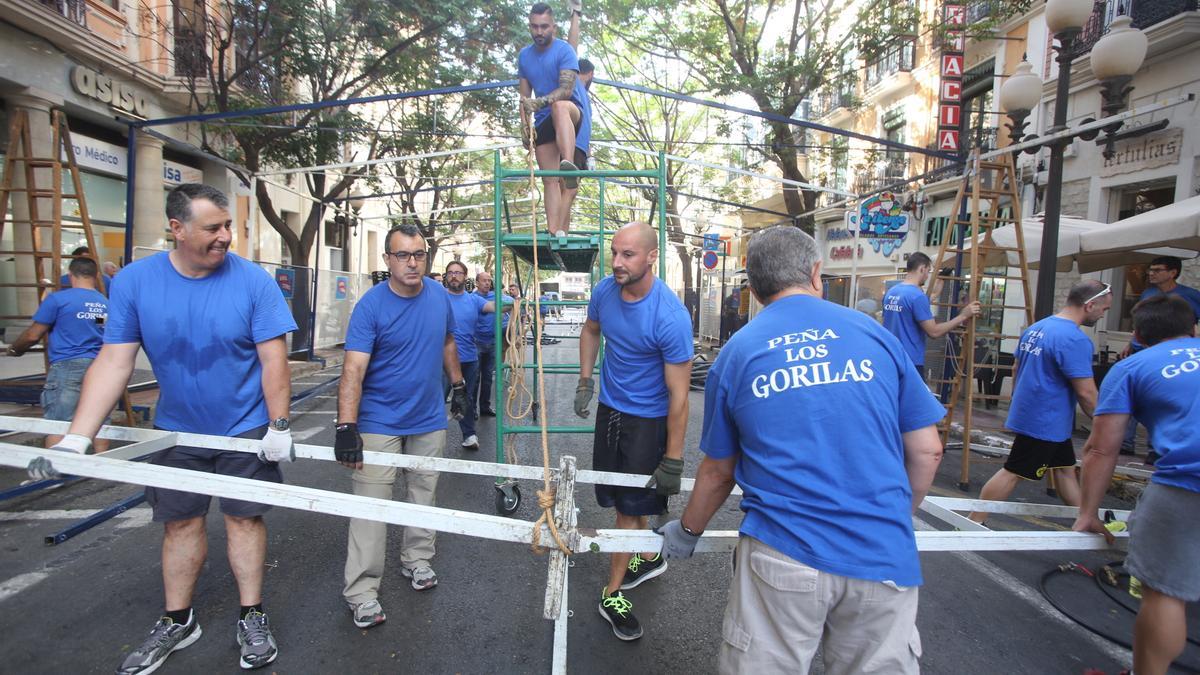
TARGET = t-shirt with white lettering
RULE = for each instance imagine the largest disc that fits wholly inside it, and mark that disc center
(468, 308)
(1051, 353)
(905, 306)
(1160, 386)
(202, 338)
(402, 388)
(813, 398)
(640, 337)
(76, 319)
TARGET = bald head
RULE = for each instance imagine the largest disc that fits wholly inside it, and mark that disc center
(636, 234)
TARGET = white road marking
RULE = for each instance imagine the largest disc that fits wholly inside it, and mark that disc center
(307, 433)
(1018, 588)
(136, 514)
(15, 585)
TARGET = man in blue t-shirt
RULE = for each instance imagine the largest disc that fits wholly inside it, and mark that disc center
(214, 327)
(485, 345)
(469, 309)
(105, 276)
(1163, 275)
(1160, 387)
(907, 315)
(642, 416)
(817, 413)
(399, 342)
(1052, 370)
(548, 72)
(74, 318)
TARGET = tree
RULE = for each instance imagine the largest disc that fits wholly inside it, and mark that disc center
(270, 52)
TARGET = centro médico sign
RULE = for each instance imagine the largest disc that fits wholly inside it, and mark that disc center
(119, 95)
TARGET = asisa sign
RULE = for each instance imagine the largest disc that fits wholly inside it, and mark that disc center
(881, 221)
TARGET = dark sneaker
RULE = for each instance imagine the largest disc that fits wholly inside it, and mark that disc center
(423, 578)
(569, 182)
(1152, 457)
(487, 412)
(640, 570)
(617, 610)
(368, 614)
(166, 637)
(257, 643)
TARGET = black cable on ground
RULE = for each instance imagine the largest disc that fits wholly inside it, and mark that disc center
(1119, 597)
(1075, 567)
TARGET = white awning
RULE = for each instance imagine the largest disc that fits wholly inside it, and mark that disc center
(1175, 225)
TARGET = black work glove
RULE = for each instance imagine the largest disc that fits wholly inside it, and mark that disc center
(347, 445)
(458, 399)
(667, 477)
(583, 395)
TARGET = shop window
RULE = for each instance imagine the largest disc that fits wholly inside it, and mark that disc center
(1132, 281)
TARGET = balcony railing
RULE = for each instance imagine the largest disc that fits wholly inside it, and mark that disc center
(74, 10)
(827, 101)
(191, 54)
(984, 138)
(1145, 13)
(900, 57)
(938, 168)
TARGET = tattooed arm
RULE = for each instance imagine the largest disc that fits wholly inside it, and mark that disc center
(566, 86)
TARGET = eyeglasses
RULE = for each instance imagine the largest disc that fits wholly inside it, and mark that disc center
(403, 256)
(1107, 289)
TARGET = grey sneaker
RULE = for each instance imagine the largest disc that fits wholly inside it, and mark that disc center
(255, 639)
(423, 578)
(569, 182)
(367, 614)
(166, 637)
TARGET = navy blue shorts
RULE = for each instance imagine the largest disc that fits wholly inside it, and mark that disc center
(173, 505)
(629, 444)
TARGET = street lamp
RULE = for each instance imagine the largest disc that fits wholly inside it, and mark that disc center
(1019, 95)
(1115, 59)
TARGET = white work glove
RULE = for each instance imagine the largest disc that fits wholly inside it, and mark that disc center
(277, 446)
(678, 543)
(41, 468)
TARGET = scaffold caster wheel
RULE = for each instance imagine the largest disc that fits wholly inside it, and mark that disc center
(965, 487)
(508, 499)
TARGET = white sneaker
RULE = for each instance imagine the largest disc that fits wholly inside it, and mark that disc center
(471, 442)
(423, 578)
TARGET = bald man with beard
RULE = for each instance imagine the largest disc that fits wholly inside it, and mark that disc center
(642, 415)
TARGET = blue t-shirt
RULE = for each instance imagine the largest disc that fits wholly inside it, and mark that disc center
(468, 309)
(402, 389)
(813, 398)
(640, 337)
(76, 319)
(1051, 353)
(541, 67)
(1160, 386)
(904, 308)
(64, 282)
(485, 329)
(1186, 292)
(201, 336)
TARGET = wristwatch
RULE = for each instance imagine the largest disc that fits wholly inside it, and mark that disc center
(281, 424)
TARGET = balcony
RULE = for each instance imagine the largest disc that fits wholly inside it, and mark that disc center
(1145, 14)
(191, 54)
(827, 102)
(74, 11)
(892, 70)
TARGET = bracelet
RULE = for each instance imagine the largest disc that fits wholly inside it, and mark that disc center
(685, 529)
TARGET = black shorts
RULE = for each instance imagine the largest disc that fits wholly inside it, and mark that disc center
(1031, 458)
(629, 444)
(546, 135)
(173, 505)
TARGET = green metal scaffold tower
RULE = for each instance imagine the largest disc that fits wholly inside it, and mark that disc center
(579, 251)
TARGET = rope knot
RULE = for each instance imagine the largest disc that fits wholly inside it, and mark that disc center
(545, 499)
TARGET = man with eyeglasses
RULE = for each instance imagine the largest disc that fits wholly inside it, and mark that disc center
(468, 309)
(399, 342)
(1162, 276)
(1052, 370)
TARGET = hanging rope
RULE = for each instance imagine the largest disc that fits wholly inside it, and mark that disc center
(518, 400)
(545, 496)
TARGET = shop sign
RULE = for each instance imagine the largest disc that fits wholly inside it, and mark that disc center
(844, 252)
(954, 19)
(1147, 152)
(102, 157)
(881, 221)
(115, 93)
(178, 174)
(286, 278)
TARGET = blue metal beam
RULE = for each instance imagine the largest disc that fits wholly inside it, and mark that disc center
(95, 519)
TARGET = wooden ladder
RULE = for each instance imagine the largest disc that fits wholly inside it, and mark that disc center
(971, 266)
(45, 252)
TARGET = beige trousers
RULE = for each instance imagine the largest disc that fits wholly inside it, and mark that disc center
(367, 547)
(780, 611)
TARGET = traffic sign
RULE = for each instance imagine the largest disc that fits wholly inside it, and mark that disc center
(710, 260)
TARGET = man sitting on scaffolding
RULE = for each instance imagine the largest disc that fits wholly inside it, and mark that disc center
(550, 89)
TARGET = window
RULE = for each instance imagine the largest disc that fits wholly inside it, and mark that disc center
(893, 130)
(839, 162)
(191, 27)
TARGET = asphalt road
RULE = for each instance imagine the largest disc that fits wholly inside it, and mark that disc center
(79, 607)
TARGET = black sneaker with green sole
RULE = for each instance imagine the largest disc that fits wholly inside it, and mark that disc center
(617, 610)
(640, 570)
